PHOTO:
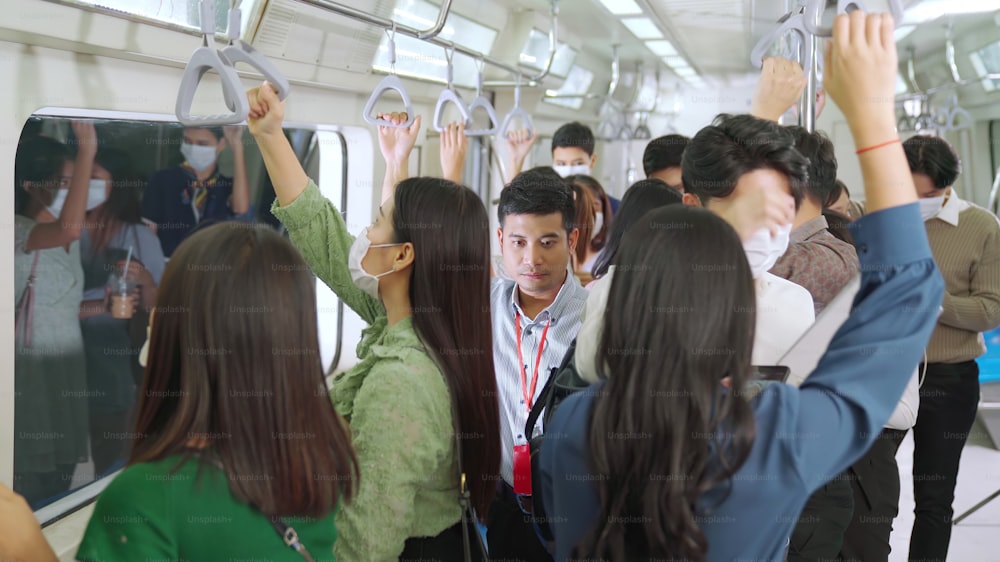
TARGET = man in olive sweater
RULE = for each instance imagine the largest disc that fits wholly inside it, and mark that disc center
(965, 241)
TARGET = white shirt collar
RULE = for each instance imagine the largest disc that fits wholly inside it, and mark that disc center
(952, 208)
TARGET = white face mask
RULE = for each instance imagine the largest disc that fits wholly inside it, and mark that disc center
(566, 171)
(144, 352)
(198, 157)
(58, 201)
(930, 206)
(598, 225)
(364, 280)
(763, 251)
(98, 193)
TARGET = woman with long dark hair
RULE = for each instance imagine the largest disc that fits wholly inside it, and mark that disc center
(585, 224)
(235, 440)
(419, 276)
(660, 460)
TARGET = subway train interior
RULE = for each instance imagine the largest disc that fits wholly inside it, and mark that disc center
(161, 81)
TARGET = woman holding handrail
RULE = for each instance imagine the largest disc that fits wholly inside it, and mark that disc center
(419, 276)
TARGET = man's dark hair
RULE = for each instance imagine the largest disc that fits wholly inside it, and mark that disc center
(734, 145)
(574, 134)
(663, 152)
(818, 149)
(536, 192)
(933, 157)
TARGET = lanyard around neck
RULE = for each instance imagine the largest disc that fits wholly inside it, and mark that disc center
(527, 393)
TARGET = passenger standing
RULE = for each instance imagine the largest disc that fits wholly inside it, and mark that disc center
(179, 198)
(965, 239)
(536, 316)
(112, 340)
(50, 381)
(235, 440)
(729, 176)
(708, 475)
(419, 276)
(840, 200)
(662, 159)
(593, 244)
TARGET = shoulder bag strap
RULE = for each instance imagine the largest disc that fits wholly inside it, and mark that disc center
(26, 305)
(464, 498)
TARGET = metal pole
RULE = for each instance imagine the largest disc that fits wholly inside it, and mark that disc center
(553, 40)
(807, 105)
(439, 25)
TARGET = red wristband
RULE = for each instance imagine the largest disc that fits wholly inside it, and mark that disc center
(880, 145)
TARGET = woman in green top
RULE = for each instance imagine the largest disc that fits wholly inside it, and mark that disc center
(234, 436)
(419, 276)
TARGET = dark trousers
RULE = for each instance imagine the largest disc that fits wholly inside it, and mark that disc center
(511, 534)
(446, 547)
(949, 398)
(875, 482)
(820, 529)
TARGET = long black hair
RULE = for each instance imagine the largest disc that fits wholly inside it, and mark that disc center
(642, 197)
(663, 430)
(450, 295)
(124, 203)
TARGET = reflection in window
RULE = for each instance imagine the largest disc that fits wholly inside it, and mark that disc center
(149, 186)
(987, 61)
(186, 13)
(577, 83)
(427, 61)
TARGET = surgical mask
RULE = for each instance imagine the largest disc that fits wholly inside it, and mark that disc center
(364, 280)
(930, 206)
(763, 250)
(200, 158)
(55, 207)
(144, 352)
(98, 193)
(578, 169)
(598, 225)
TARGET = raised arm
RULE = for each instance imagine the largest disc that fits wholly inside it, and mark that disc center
(68, 226)
(240, 202)
(396, 145)
(518, 145)
(315, 226)
(453, 147)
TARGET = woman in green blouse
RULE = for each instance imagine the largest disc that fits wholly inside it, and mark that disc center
(235, 440)
(419, 276)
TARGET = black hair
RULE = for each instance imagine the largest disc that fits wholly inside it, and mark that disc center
(933, 157)
(818, 150)
(535, 192)
(839, 189)
(574, 134)
(217, 132)
(734, 145)
(837, 225)
(643, 197)
(597, 192)
(38, 160)
(663, 152)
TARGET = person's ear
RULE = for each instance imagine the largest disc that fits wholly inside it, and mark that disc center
(500, 239)
(404, 257)
(691, 200)
(593, 160)
(574, 235)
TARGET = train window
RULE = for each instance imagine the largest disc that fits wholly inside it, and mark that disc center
(186, 13)
(536, 53)
(576, 84)
(987, 61)
(421, 59)
(153, 183)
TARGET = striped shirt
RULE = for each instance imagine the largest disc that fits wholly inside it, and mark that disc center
(965, 240)
(563, 316)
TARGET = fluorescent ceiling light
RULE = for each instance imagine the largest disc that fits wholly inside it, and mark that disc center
(674, 61)
(643, 28)
(622, 7)
(685, 72)
(662, 48)
(902, 31)
(930, 10)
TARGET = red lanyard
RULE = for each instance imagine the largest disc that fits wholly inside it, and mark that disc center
(525, 392)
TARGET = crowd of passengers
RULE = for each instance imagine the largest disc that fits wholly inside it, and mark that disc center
(717, 262)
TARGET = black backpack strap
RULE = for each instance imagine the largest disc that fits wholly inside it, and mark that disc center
(545, 397)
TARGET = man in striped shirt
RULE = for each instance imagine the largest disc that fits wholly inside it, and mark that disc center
(965, 241)
(536, 315)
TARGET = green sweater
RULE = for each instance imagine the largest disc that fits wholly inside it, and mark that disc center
(150, 512)
(395, 399)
